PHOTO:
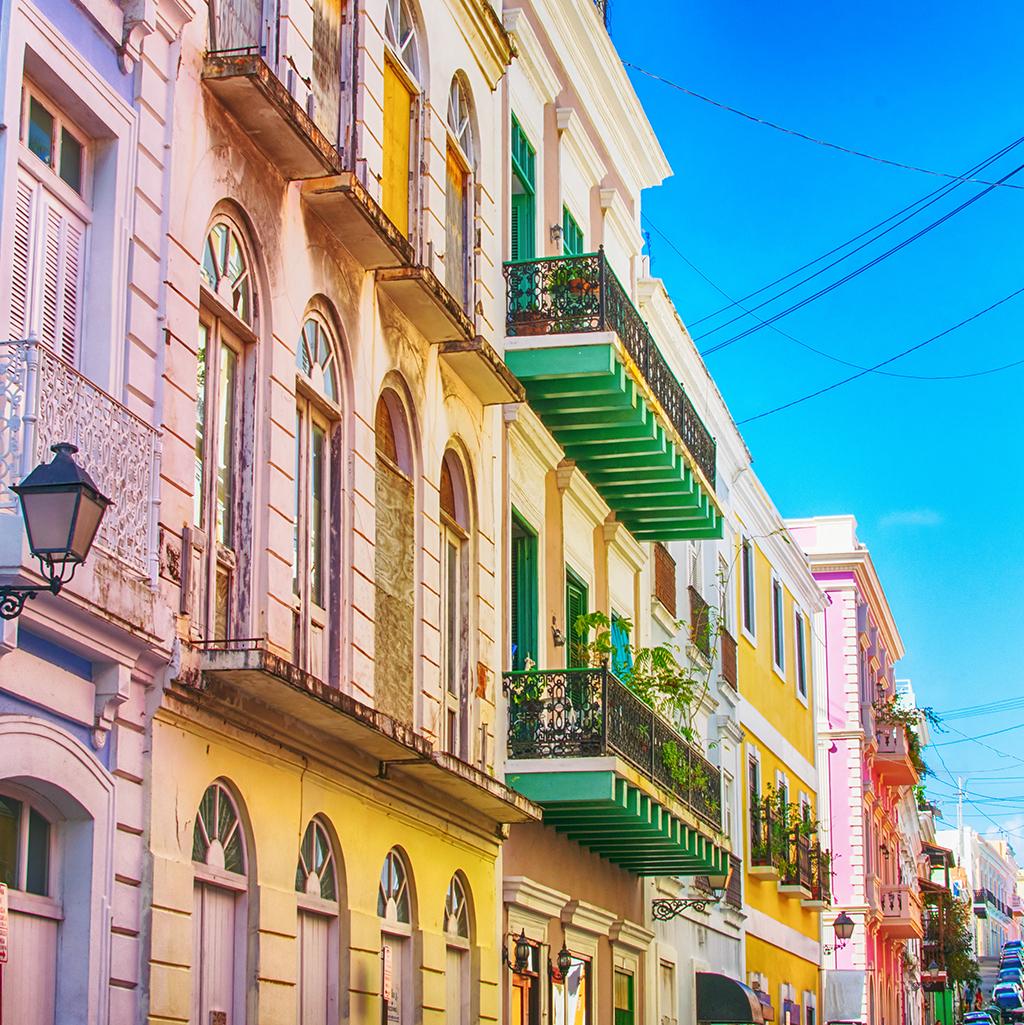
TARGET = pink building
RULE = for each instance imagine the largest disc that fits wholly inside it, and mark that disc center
(869, 763)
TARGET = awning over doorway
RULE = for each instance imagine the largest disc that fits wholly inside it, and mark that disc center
(725, 1001)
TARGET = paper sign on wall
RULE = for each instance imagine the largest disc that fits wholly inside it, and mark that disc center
(386, 987)
(4, 923)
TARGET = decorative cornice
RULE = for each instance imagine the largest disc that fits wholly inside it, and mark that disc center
(488, 38)
(617, 536)
(528, 48)
(574, 136)
(523, 892)
(589, 918)
(630, 935)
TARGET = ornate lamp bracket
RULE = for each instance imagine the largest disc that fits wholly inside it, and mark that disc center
(666, 908)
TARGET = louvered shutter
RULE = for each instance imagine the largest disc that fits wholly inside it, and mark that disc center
(21, 270)
(517, 652)
(60, 279)
(575, 606)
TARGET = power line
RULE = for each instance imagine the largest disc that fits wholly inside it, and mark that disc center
(885, 362)
(804, 136)
(943, 189)
(836, 359)
(856, 271)
(966, 738)
(967, 711)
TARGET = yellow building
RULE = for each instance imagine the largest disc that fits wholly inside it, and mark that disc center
(787, 874)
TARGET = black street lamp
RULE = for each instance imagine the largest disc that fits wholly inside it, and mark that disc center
(666, 908)
(843, 928)
(62, 509)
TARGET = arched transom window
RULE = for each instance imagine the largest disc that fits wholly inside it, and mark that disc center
(401, 34)
(393, 892)
(315, 873)
(316, 358)
(226, 272)
(456, 910)
(459, 122)
(217, 838)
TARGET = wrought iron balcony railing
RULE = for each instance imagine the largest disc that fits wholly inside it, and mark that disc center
(589, 713)
(730, 661)
(798, 859)
(44, 400)
(573, 294)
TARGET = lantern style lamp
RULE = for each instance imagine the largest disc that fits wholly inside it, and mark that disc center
(719, 883)
(664, 909)
(564, 961)
(843, 927)
(62, 509)
(521, 953)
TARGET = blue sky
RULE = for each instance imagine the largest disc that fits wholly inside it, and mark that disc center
(931, 469)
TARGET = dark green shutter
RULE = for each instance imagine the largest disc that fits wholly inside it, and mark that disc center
(523, 612)
(575, 606)
(624, 999)
(622, 656)
(522, 244)
(572, 235)
(522, 240)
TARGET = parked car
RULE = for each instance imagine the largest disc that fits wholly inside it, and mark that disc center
(978, 1018)
(1011, 957)
(1012, 973)
(1013, 945)
(1008, 996)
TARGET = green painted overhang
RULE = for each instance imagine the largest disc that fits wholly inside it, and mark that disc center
(609, 424)
(612, 817)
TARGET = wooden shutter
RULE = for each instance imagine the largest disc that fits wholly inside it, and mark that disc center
(397, 126)
(327, 67)
(455, 250)
(522, 237)
(575, 606)
(60, 282)
(315, 988)
(623, 998)
(524, 597)
(21, 271)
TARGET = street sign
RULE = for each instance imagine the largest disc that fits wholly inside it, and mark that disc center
(4, 923)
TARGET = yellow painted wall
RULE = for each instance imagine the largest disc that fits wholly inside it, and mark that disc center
(780, 966)
(279, 792)
(775, 696)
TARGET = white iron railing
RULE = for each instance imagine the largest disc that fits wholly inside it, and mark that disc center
(44, 400)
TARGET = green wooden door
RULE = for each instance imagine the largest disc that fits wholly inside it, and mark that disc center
(523, 613)
(576, 605)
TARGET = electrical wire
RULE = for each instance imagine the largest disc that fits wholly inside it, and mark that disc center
(802, 135)
(943, 189)
(718, 346)
(967, 711)
(935, 197)
(821, 352)
(965, 738)
(885, 362)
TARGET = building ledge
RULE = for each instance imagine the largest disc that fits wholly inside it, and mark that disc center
(247, 671)
(483, 371)
(358, 221)
(259, 101)
(421, 296)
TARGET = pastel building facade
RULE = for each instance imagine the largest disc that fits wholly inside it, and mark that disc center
(82, 163)
(868, 768)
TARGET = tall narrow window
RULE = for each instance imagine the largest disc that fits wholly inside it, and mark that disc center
(458, 209)
(778, 627)
(572, 235)
(316, 884)
(525, 998)
(51, 219)
(748, 582)
(394, 908)
(26, 866)
(218, 909)
(622, 654)
(329, 19)
(624, 997)
(523, 216)
(393, 562)
(401, 90)
(570, 994)
(237, 25)
(317, 438)
(226, 323)
(455, 607)
(457, 965)
(800, 645)
(523, 611)
(576, 604)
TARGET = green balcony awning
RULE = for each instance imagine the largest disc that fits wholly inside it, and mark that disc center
(612, 817)
(606, 424)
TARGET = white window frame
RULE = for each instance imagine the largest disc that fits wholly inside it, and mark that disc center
(61, 122)
(801, 660)
(750, 632)
(778, 618)
(668, 1015)
(782, 783)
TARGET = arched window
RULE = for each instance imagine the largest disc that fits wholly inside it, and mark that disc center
(401, 96)
(454, 607)
(316, 883)
(457, 964)
(317, 465)
(227, 320)
(458, 187)
(394, 907)
(393, 561)
(26, 866)
(219, 859)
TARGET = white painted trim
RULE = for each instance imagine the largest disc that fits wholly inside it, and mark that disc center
(755, 722)
(528, 894)
(785, 937)
(779, 656)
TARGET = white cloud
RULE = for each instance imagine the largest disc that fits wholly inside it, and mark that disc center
(912, 518)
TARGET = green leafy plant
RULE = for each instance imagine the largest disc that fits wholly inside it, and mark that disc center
(891, 711)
